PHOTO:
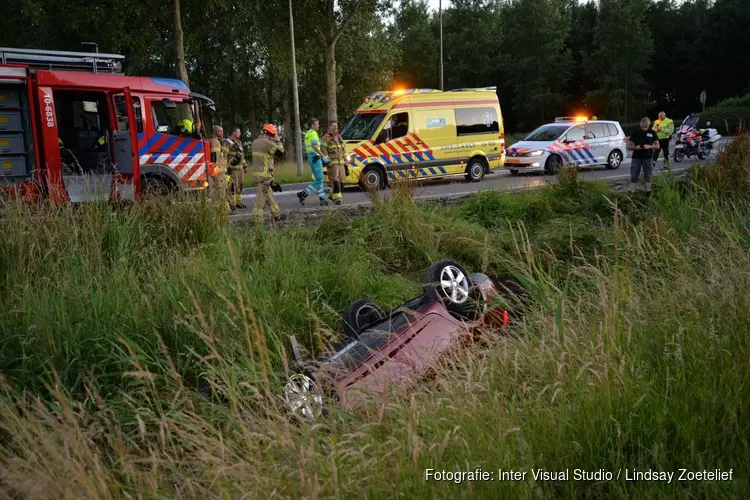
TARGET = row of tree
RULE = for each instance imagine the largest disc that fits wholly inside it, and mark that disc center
(614, 58)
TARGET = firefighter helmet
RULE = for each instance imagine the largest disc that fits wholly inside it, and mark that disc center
(270, 128)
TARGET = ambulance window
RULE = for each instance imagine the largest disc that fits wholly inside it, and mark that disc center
(397, 126)
(575, 134)
(122, 114)
(473, 121)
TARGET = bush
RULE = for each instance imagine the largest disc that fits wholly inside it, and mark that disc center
(728, 120)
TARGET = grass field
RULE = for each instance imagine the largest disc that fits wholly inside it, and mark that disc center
(634, 353)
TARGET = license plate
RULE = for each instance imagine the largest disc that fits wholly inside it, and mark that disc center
(512, 160)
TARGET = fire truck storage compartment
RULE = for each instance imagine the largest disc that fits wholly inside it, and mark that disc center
(16, 139)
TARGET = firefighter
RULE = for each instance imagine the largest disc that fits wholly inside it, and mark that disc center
(264, 148)
(664, 128)
(186, 127)
(333, 148)
(218, 184)
(237, 167)
(314, 157)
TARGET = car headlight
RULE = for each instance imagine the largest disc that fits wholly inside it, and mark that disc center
(538, 152)
(350, 157)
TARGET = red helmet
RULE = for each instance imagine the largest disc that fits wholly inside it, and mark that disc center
(270, 128)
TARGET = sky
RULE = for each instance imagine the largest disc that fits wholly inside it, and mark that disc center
(435, 3)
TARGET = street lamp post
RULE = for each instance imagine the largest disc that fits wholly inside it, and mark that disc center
(295, 94)
(440, 9)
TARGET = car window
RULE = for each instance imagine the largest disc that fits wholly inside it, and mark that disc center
(472, 121)
(546, 133)
(397, 126)
(362, 126)
(596, 131)
(122, 113)
(575, 134)
(369, 341)
(168, 120)
(612, 130)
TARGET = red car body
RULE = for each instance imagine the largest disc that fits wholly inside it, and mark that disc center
(395, 351)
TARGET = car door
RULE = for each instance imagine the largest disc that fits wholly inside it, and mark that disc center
(572, 146)
(596, 139)
(394, 148)
(128, 123)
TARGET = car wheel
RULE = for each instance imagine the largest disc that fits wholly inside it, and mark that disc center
(359, 315)
(552, 165)
(372, 179)
(303, 398)
(156, 186)
(449, 283)
(514, 172)
(614, 160)
(475, 170)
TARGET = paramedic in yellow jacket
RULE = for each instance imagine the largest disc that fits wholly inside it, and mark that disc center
(264, 148)
(218, 179)
(332, 146)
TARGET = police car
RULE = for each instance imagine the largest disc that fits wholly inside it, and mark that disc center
(568, 141)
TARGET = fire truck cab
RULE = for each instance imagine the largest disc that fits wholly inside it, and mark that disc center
(73, 128)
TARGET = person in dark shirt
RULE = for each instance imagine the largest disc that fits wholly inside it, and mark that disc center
(642, 144)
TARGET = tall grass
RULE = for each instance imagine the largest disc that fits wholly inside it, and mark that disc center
(633, 353)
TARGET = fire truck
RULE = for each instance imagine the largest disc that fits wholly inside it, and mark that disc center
(74, 128)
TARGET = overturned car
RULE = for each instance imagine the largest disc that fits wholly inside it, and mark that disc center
(379, 350)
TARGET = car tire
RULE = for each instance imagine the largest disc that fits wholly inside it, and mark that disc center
(614, 160)
(475, 170)
(514, 172)
(449, 283)
(372, 179)
(156, 186)
(359, 315)
(552, 165)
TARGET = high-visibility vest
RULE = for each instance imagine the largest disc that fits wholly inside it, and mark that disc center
(665, 128)
(311, 139)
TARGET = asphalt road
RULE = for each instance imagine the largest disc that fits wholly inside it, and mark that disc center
(499, 180)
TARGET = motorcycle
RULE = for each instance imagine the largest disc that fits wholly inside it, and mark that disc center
(692, 141)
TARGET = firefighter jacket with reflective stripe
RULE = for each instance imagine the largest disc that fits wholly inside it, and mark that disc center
(235, 154)
(311, 139)
(264, 150)
(333, 147)
(221, 157)
(664, 128)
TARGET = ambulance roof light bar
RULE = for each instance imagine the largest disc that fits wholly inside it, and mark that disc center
(477, 89)
(90, 62)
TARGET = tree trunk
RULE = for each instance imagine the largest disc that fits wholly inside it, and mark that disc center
(179, 45)
(331, 83)
(270, 95)
(288, 134)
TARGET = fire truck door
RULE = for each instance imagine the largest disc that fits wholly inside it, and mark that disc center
(125, 142)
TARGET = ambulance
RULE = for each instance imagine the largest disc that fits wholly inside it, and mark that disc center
(73, 127)
(418, 134)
